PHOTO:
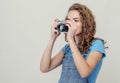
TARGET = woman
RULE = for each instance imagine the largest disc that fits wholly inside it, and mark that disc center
(82, 57)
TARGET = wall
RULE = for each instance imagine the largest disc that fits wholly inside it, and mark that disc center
(25, 31)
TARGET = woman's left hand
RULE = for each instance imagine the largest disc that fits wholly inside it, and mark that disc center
(72, 29)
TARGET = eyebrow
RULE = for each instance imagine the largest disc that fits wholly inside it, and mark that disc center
(76, 18)
(73, 18)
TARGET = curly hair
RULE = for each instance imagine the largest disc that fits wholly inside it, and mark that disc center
(88, 26)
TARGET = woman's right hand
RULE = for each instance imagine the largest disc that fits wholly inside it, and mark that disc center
(54, 33)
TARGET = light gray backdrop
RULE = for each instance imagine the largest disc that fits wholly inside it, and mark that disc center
(25, 31)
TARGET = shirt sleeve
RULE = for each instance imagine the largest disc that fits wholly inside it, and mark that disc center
(98, 45)
(65, 49)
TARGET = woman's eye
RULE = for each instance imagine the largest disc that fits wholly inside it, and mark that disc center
(76, 20)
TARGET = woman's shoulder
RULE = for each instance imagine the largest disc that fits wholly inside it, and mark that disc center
(98, 45)
(98, 42)
(65, 48)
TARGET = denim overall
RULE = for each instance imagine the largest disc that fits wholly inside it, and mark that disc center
(69, 72)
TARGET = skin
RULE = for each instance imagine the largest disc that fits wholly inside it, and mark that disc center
(84, 67)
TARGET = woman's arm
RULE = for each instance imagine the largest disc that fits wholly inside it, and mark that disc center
(84, 67)
(47, 63)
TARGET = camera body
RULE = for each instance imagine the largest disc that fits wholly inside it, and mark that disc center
(61, 27)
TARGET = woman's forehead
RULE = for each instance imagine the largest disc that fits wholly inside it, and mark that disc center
(73, 14)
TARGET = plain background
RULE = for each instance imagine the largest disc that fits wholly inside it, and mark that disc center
(25, 31)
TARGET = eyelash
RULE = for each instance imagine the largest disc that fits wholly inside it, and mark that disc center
(76, 20)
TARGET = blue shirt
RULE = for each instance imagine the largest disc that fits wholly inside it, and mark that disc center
(97, 45)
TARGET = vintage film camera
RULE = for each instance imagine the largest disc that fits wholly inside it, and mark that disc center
(61, 27)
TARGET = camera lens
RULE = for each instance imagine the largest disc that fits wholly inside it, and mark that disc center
(62, 27)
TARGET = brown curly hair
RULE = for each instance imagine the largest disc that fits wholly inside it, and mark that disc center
(88, 26)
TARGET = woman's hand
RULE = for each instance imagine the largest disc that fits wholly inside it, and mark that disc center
(54, 32)
(72, 29)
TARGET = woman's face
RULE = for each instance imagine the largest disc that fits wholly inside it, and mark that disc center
(74, 15)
